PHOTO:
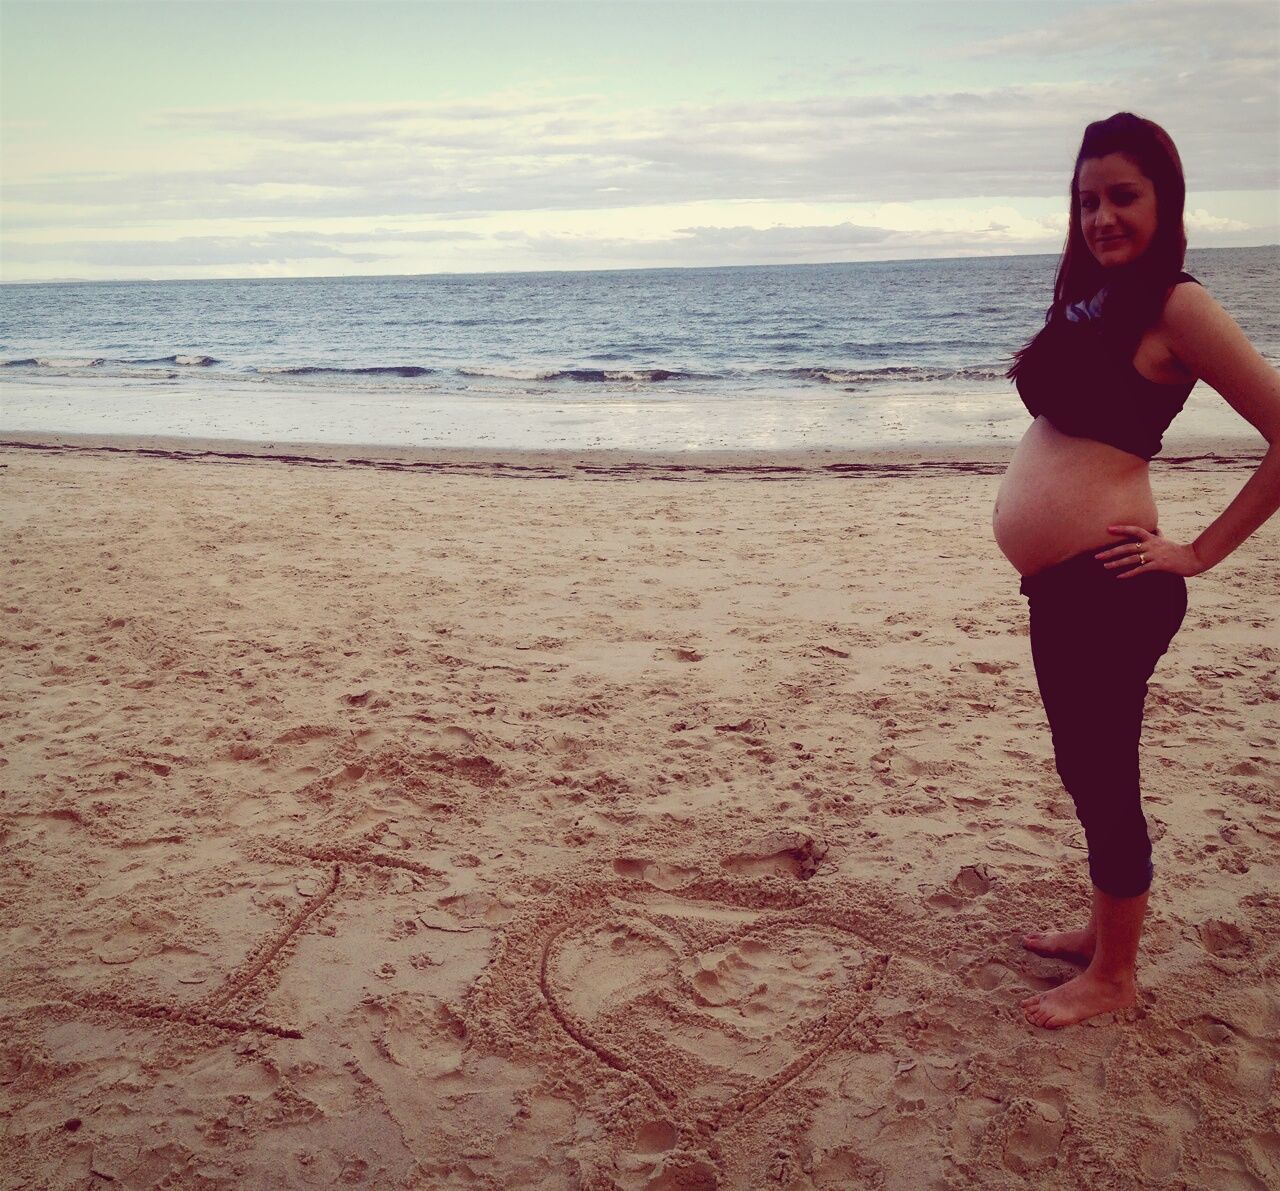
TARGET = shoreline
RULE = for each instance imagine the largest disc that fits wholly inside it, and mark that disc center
(607, 462)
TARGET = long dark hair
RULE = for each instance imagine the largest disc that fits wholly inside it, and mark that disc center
(1137, 291)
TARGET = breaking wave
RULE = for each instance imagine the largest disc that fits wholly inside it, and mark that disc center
(589, 375)
(404, 370)
(887, 374)
(186, 361)
(63, 362)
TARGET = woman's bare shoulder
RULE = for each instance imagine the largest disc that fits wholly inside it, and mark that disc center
(1187, 292)
(1210, 345)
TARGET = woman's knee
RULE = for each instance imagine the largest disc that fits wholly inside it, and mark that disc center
(1102, 780)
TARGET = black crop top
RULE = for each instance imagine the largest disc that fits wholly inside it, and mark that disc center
(1079, 380)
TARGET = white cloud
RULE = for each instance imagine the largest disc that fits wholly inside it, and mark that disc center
(1201, 220)
(1008, 140)
(262, 249)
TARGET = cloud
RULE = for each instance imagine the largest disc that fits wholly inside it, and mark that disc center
(900, 231)
(435, 160)
(517, 159)
(429, 160)
(904, 232)
(1190, 30)
(319, 123)
(1201, 220)
(274, 248)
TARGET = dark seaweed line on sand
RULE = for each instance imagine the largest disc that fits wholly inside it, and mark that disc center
(680, 472)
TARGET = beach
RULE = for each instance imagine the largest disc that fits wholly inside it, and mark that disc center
(475, 818)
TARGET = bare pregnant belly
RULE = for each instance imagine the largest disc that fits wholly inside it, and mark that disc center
(1060, 493)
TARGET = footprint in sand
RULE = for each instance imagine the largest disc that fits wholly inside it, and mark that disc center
(679, 653)
(1224, 939)
(1034, 1132)
(652, 872)
(991, 975)
(654, 1137)
(305, 747)
(779, 854)
(832, 651)
(972, 881)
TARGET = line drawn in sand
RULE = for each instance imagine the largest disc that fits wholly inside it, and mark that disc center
(148, 1011)
(241, 980)
(242, 977)
(207, 1010)
(702, 998)
(210, 1010)
(842, 1014)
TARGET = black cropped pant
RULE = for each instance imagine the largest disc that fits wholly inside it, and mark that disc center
(1095, 641)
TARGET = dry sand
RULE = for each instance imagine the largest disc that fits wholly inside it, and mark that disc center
(461, 820)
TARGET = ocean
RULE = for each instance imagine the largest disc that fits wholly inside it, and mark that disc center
(862, 355)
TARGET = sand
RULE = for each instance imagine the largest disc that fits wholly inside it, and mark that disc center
(533, 821)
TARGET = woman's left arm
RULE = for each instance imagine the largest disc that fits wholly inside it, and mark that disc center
(1213, 347)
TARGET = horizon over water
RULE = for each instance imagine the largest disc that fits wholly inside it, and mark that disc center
(865, 354)
(898, 260)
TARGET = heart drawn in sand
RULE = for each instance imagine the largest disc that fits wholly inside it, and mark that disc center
(715, 1006)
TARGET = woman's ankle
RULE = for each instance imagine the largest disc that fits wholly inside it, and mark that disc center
(1119, 976)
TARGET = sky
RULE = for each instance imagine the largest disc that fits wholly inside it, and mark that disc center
(189, 138)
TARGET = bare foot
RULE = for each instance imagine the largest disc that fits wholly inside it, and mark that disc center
(1082, 997)
(1075, 946)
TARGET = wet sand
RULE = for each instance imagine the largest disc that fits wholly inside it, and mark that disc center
(379, 817)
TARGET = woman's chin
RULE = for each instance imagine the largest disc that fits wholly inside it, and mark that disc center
(1116, 254)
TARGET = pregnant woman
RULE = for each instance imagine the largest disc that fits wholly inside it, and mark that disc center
(1126, 338)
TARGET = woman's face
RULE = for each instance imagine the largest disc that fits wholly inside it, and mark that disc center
(1117, 209)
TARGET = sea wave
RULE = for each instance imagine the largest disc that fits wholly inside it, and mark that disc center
(588, 375)
(405, 370)
(732, 372)
(60, 362)
(888, 373)
(191, 361)
(187, 361)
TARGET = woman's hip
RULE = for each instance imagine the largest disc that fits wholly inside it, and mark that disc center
(1084, 617)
